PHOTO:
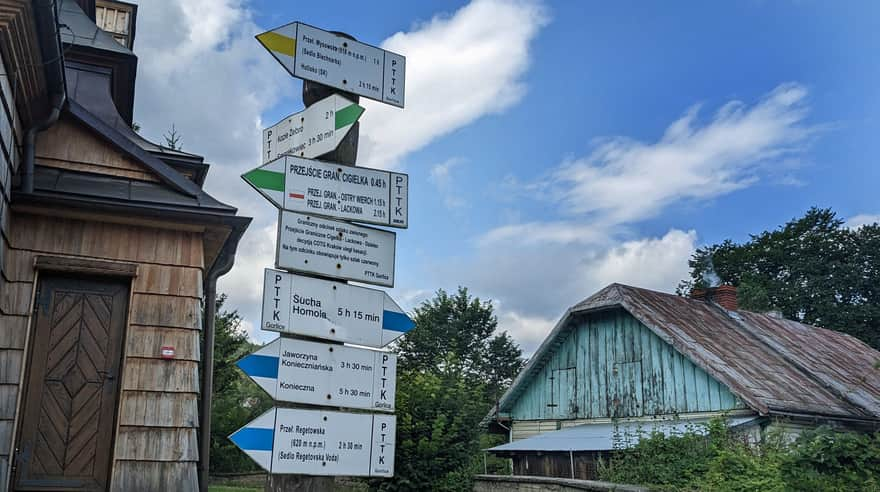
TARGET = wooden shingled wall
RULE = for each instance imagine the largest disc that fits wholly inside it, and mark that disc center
(156, 438)
(12, 325)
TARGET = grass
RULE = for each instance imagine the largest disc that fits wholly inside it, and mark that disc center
(228, 488)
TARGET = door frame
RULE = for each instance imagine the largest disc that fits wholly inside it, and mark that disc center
(49, 265)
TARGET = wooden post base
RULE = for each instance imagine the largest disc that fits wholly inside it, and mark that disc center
(298, 483)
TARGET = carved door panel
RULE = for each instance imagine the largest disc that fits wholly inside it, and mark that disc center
(72, 386)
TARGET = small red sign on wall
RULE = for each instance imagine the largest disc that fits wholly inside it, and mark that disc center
(167, 352)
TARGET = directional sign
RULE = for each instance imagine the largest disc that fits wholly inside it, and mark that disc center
(335, 249)
(312, 132)
(352, 193)
(320, 56)
(324, 374)
(316, 442)
(331, 310)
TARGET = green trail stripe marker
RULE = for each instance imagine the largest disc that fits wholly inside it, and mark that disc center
(267, 180)
(348, 115)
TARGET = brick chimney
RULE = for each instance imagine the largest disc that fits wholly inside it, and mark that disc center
(723, 295)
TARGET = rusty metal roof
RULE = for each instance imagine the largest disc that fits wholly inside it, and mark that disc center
(776, 366)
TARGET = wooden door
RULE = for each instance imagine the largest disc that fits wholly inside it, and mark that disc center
(564, 393)
(72, 386)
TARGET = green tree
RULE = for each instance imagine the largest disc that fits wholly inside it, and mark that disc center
(173, 139)
(456, 334)
(452, 367)
(812, 269)
(438, 433)
(235, 400)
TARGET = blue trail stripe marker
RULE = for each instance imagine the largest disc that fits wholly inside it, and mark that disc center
(253, 439)
(257, 439)
(395, 321)
(260, 366)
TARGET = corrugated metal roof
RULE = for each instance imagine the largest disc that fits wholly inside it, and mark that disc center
(775, 366)
(611, 435)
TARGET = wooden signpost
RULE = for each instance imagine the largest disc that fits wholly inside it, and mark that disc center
(309, 368)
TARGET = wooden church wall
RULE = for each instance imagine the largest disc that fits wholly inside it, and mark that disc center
(156, 442)
(12, 323)
(158, 413)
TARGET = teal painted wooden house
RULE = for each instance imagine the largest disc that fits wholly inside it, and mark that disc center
(629, 358)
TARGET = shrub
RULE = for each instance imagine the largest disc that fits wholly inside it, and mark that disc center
(824, 460)
(819, 460)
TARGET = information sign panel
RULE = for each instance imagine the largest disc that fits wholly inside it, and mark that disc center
(313, 131)
(331, 310)
(315, 373)
(335, 249)
(358, 194)
(317, 442)
(314, 54)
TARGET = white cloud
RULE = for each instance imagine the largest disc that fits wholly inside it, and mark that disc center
(625, 180)
(539, 268)
(197, 68)
(256, 252)
(442, 177)
(458, 68)
(533, 283)
(252, 329)
(441, 174)
(528, 331)
(537, 233)
(652, 263)
(409, 299)
(860, 220)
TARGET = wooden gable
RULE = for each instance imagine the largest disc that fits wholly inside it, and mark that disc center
(612, 366)
(71, 146)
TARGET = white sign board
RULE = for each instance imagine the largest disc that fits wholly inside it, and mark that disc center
(331, 310)
(312, 132)
(358, 194)
(315, 373)
(335, 249)
(317, 442)
(313, 54)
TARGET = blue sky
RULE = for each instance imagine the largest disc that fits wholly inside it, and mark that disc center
(552, 147)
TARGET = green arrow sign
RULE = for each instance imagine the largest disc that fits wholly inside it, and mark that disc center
(312, 132)
(357, 194)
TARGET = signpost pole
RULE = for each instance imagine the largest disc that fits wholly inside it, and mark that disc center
(346, 154)
(312, 92)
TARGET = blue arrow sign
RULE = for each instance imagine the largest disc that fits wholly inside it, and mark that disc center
(256, 439)
(315, 373)
(288, 440)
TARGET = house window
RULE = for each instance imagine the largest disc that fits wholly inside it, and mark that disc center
(116, 19)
